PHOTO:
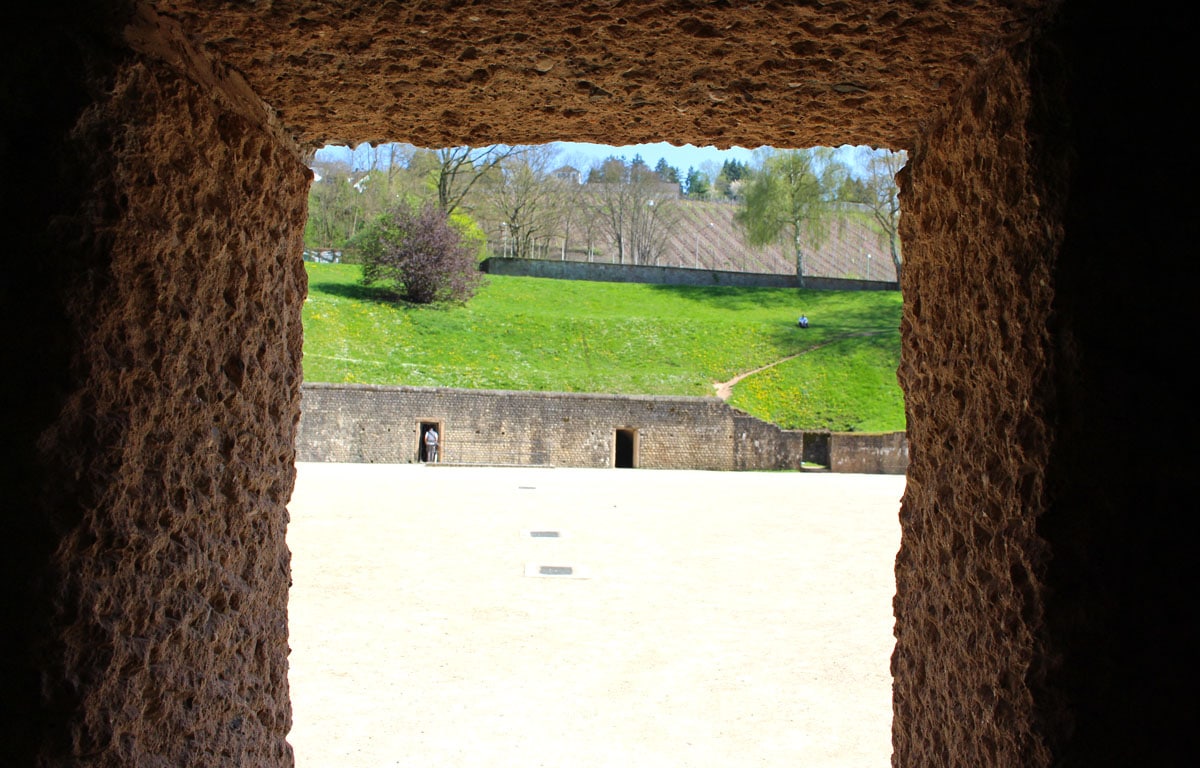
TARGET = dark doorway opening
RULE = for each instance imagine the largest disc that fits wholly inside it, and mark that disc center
(430, 452)
(626, 449)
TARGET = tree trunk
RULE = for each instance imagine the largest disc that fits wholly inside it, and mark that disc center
(799, 256)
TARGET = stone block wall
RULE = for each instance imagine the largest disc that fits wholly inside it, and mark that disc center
(372, 424)
(759, 445)
(868, 454)
(702, 278)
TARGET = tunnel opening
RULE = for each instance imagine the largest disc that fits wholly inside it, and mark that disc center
(171, 289)
(625, 449)
(625, 454)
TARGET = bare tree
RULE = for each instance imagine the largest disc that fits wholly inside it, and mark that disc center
(521, 194)
(609, 195)
(399, 156)
(883, 195)
(572, 216)
(459, 168)
(634, 207)
(652, 215)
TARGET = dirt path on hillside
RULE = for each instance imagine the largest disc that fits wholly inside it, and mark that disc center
(724, 389)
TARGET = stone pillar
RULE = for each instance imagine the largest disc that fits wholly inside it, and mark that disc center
(1041, 580)
(980, 233)
(161, 281)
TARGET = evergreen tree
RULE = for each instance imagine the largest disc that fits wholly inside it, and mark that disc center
(697, 185)
(666, 172)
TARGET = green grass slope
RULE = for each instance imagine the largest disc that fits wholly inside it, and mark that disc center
(570, 336)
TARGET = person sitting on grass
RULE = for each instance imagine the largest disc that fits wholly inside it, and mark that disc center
(802, 322)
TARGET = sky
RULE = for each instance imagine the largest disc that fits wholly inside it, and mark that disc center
(681, 158)
(583, 156)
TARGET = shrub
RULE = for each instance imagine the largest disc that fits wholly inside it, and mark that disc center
(472, 236)
(418, 255)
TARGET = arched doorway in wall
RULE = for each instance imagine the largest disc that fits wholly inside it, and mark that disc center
(625, 448)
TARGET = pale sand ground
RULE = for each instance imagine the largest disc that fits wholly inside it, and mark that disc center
(729, 619)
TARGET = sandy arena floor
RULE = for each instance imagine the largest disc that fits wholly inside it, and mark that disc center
(722, 619)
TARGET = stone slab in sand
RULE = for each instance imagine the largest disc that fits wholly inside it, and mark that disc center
(725, 619)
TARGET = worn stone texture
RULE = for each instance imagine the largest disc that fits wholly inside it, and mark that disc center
(979, 238)
(780, 74)
(883, 453)
(174, 445)
(153, 163)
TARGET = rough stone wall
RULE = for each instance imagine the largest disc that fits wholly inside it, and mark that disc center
(369, 424)
(629, 273)
(758, 445)
(162, 638)
(979, 236)
(1000, 659)
(871, 454)
(795, 74)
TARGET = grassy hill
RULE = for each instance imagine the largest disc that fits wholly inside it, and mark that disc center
(551, 335)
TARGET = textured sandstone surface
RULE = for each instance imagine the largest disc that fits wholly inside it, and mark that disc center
(176, 438)
(156, 428)
(969, 573)
(784, 74)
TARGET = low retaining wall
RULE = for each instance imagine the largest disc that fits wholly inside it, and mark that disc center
(360, 423)
(631, 273)
(869, 454)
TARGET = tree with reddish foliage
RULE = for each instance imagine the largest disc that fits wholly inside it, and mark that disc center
(418, 255)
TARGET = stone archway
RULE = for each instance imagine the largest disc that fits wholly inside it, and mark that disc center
(156, 398)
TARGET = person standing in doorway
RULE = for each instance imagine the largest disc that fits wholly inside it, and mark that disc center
(431, 445)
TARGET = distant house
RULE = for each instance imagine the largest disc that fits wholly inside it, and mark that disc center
(568, 174)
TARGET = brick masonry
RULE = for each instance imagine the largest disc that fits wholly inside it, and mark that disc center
(360, 423)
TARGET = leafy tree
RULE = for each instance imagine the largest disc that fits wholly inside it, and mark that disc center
(788, 199)
(732, 178)
(853, 190)
(473, 236)
(612, 170)
(331, 207)
(735, 170)
(418, 255)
